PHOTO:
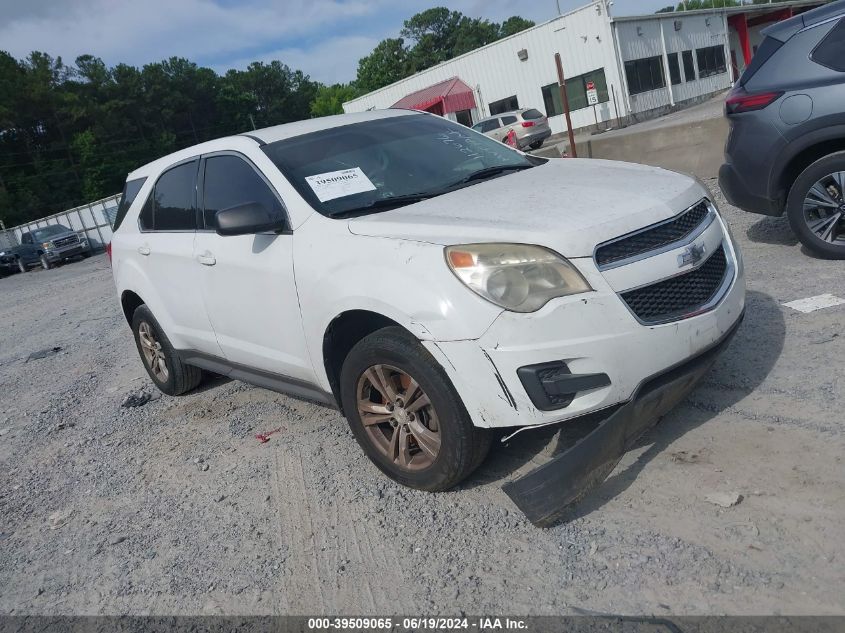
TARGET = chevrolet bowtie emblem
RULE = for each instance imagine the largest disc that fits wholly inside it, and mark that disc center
(692, 255)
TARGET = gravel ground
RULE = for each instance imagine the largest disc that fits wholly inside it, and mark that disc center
(174, 507)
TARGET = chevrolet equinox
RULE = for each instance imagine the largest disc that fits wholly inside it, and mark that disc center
(429, 282)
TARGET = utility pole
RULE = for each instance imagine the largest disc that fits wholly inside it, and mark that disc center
(564, 99)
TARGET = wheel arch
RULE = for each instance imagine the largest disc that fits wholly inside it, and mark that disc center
(130, 301)
(341, 335)
(817, 149)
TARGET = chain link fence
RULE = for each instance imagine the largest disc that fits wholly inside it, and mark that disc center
(94, 221)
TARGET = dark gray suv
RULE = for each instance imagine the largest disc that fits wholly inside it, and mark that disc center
(786, 148)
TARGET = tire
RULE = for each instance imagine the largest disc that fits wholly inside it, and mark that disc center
(22, 266)
(180, 377)
(86, 254)
(46, 264)
(536, 145)
(461, 446)
(801, 189)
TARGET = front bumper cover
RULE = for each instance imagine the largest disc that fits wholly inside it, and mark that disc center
(546, 493)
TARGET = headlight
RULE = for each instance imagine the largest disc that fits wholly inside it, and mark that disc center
(47, 245)
(517, 277)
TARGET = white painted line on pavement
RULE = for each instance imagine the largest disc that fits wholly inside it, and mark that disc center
(811, 304)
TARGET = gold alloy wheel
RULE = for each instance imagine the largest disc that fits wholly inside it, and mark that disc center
(151, 349)
(398, 417)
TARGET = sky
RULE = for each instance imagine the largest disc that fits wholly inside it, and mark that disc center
(323, 38)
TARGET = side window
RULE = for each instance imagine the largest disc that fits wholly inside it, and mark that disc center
(145, 218)
(508, 120)
(231, 181)
(173, 199)
(26, 238)
(489, 126)
(130, 191)
(831, 50)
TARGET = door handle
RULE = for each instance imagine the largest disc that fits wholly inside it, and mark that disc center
(144, 250)
(207, 259)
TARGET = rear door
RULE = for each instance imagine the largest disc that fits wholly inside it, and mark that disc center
(168, 223)
(247, 281)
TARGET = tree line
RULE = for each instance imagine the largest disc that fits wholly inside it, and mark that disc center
(69, 133)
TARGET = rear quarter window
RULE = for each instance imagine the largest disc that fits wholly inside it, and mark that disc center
(831, 50)
(768, 48)
(532, 114)
(130, 192)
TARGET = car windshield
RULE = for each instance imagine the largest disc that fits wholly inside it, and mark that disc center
(385, 163)
(42, 235)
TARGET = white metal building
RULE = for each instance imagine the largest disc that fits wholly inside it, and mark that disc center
(639, 65)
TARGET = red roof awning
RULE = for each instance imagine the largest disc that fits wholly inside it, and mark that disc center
(451, 95)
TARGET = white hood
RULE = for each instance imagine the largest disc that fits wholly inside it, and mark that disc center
(568, 205)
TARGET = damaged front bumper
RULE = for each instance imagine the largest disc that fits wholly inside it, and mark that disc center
(546, 493)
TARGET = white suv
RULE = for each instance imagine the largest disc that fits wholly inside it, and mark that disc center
(429, 282)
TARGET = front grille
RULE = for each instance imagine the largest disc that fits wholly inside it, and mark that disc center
(672, 298)
(653, 238)
(65, 241)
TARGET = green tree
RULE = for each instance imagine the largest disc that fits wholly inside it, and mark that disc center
(330, 99)
(513, 25)
(390, 61)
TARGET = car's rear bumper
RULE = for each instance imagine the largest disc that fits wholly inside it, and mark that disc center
(533, 137)
(545, 493)
(738, 194)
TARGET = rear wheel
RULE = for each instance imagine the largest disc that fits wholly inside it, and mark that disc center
(406, 415)
(21, 266)
(164, 366)
(816, 206)
(46, 264)
(536, 145)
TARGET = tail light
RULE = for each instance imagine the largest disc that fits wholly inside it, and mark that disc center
(740, 101)
(108, 251)
(528, 124)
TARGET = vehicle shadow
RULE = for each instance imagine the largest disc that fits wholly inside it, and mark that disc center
(739, 371)
(772, 230)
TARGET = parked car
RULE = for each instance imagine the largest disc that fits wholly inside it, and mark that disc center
(786, 149)
(48, 246)
(8, 262)
(530, 126)
(387, 263)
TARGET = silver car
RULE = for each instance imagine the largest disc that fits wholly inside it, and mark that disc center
(530, 126)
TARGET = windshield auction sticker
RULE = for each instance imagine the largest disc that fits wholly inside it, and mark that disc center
(338, 184)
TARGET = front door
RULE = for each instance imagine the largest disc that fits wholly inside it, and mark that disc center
(247, 281)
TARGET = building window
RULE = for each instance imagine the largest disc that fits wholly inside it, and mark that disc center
(689, 66)
(576, 92)
(644, 75)
(711, 61)
(674, 69)
(508, 104)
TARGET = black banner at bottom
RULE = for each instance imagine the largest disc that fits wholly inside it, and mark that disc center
(492, 623)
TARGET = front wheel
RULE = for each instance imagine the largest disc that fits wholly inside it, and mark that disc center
(816, 206)
(46, 264)
(406, 415)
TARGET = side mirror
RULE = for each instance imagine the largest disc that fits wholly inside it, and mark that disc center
(248, 218)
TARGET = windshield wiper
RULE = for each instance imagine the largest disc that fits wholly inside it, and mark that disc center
(489, 172)
(383, 203)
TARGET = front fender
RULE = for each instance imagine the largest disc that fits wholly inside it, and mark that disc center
(405, 281)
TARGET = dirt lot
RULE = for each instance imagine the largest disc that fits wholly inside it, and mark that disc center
(174, 507)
